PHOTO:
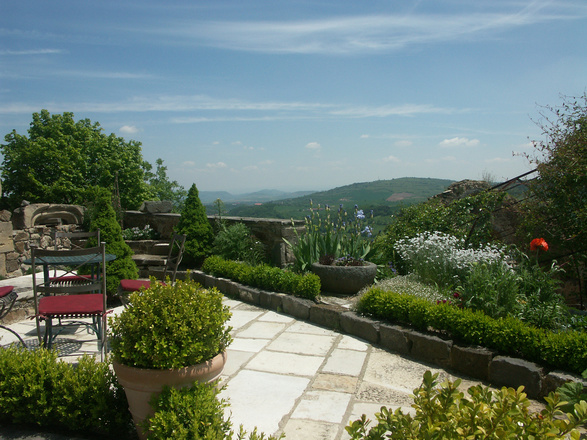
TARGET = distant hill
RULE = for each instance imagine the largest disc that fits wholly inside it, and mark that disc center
(266, 195)
(385, 197)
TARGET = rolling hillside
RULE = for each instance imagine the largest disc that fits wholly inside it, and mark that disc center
(385, 197)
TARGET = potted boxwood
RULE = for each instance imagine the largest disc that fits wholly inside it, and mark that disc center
(170, 335)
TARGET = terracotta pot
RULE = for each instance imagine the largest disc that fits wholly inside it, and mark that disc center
(141, 384)
(345, 280)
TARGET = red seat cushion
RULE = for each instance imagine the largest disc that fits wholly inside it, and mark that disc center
(5, 290)
(134, 285)
(83, 304)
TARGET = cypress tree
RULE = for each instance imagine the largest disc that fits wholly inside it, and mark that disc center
(195, 225)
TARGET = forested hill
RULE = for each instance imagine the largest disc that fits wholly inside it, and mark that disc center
(385, 197)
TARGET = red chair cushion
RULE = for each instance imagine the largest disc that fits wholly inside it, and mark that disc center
(5, 290)
(83, 304)
(134, 285)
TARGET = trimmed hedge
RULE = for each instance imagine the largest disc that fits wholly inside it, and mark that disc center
(38, 389)
(563, 350)
(264, 277)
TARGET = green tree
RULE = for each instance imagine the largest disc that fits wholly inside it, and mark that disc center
(194, 223)
(164, 189)
(60, 158)
(103, 217)
(558, 209)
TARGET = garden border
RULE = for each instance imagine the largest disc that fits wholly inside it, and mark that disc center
(474, 361)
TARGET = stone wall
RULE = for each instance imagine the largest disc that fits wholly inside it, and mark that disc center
(269, 231)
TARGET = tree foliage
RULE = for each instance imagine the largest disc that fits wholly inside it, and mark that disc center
(558, 209)
(162, 188)
(61, 158)
(194, 223)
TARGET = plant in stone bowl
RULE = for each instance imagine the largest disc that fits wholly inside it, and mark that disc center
(170, 335)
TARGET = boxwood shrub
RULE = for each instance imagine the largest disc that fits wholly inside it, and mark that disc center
(562, 350)
(38, 389)
(265, 277)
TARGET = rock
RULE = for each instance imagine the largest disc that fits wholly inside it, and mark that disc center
(157, 207)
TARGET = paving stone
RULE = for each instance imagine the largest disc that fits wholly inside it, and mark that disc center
(384, 395)
(235, 360)
(263, 330)
(272, 316)
(352, 343)
(325, 406)
(297, 429)
(249, 344)
(261, 399)
(318, 345)
(286, 363)
(305, 327)
(240, 318)
(348, 362)
(335, 382)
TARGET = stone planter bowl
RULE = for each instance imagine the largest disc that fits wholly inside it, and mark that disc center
(345, 280)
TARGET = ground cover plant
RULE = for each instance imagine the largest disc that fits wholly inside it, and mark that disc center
(442, 411)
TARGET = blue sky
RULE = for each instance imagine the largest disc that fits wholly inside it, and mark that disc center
(299, 95)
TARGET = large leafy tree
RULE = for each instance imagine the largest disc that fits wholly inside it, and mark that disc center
(164, 189)
(558, 209)
(61, 158)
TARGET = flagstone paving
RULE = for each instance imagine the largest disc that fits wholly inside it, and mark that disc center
(286, 376)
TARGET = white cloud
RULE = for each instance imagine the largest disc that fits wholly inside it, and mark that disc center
(215, 165)
(315, 146)
(459, 142)
(364, 136)
(189, 163)
(403, 144)
(129, 129)
(391, 159)
(266, 162)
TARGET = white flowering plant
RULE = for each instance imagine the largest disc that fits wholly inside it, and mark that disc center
(333, 235)
(136, 233)
(444, 259)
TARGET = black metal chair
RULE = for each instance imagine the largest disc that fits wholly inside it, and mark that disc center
(7, 300)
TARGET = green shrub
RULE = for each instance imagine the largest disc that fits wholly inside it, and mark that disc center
(170, 326)
(445, 413)
(37, 388)
(235, 242)
(103, 217)
(193, 413)
(198, 230)
(566, 350)
(305, 285)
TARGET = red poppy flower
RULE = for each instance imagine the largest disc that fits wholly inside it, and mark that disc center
(539, 244)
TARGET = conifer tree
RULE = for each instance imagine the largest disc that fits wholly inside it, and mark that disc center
(195, 225)
(103, 217)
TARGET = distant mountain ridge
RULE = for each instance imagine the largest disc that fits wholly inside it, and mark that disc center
(385, 197)
(265, 195)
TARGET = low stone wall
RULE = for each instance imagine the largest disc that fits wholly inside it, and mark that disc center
(269, 231)
(475, 362)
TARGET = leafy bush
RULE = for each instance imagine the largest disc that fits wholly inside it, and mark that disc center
(170, 326)
(333, 236)
(235, 242)
(37, 388)
(445, 413)
(444, 259)
(565, 350)
(305, 285)
(193, 413)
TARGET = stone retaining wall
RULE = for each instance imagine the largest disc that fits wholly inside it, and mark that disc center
(475, 362)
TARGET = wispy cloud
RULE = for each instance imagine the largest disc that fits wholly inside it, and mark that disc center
(459, 142)
(32, 52)
(368, 33)
(129, 129)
